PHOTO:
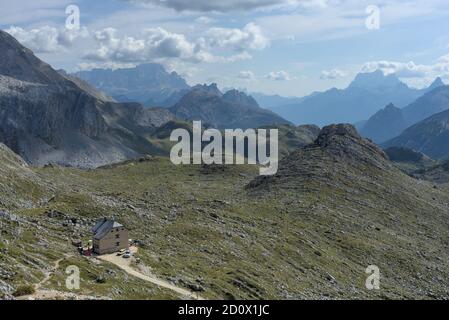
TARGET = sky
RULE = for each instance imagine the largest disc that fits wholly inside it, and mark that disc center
(285, 47)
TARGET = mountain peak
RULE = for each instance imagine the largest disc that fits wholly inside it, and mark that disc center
(384, 124)
(390, 108)
(338, 147)
(328, 133)
(375, 80)
(343, 141)
(242, 98)
(211, 89)
(438, 82)
(148, 83)
(231, 110)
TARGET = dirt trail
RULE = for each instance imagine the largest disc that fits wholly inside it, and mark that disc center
(125, 265)
(49, 274)
(42, 294)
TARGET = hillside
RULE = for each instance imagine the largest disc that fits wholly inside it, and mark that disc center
(83, 85)
(47, 117)
(433, 102)
(357, 208)
(335, 207)
(429, 136)
(384, 125)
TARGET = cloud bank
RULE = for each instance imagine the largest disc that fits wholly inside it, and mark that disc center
(215, 45)
(210, 6)
(47, 39)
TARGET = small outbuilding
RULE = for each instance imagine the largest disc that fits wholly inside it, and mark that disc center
(109, 237)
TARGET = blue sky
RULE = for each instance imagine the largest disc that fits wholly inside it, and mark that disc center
(287, 47)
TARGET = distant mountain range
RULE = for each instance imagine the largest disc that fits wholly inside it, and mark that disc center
(272, 102)
(149, 84)
(435, 100)
(233, 109)
(391, 121)
(429, 136)
(364, 97)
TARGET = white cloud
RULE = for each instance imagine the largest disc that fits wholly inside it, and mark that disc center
(415, 74)
(279, 76)
(444, 59)
(333, 74)
(46, 39)
(155, 43)
(108, 45)
(158, 43)
(233, 58)
(103, 65)
(204, 20)
(401, 69)
(321, 20)
(248, 38)
(246, 75)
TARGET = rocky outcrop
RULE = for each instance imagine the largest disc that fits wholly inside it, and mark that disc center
(339, 153)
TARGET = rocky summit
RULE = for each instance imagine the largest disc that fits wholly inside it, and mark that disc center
(232, 110)
(338, 150)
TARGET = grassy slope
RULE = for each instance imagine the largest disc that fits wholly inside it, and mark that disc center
(307, 239)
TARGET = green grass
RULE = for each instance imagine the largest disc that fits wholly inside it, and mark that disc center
(201, 225)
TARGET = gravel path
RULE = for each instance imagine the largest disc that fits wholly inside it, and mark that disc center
(125, 264)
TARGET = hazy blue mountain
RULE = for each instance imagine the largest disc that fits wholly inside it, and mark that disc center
(149, 84)
(438, 82)
(390, 122)
(429, 136)
(384, 125)
(359, 125)
(174, 98)
(272, 102)
(360, 100)
(234, 109)
(432, 102)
